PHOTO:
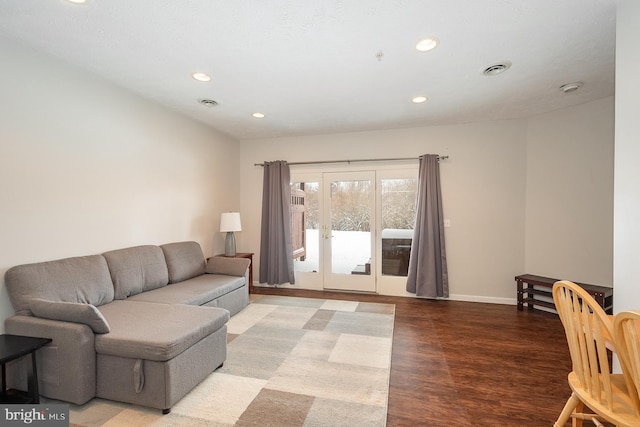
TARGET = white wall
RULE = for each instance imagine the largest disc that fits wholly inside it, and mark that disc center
(569, 212)
(483, 186)
(626, 271)
(87, 167)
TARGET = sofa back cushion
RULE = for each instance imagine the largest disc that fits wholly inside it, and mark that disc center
(136, 269)
(184, 260)
(79, 279)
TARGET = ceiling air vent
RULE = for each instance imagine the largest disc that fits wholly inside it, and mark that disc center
(208, 102)
(571, 87)
(495, 69)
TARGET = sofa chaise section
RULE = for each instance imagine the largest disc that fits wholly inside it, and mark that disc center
(156, 353)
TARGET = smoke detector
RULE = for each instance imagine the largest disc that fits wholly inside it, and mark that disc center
(571, 87)
(498, 68)
(208, 102)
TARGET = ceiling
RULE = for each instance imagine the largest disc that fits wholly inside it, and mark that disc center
(329, 66)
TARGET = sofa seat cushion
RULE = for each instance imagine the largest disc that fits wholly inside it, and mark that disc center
(159, 332)
(197, 291)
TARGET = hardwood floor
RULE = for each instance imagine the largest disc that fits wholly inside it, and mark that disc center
(464, 364)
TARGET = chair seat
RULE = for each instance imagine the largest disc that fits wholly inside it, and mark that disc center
(623, 413)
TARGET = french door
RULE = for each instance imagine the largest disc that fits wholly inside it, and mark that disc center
(347, 234)
(352, 230)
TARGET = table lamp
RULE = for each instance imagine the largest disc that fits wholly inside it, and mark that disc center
(230, 222)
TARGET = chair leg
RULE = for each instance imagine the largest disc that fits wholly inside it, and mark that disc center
(568, 409)
(577, 422)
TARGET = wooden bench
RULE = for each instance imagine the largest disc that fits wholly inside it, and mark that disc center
(531, 294)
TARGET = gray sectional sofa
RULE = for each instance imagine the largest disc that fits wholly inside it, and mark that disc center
(142, 325)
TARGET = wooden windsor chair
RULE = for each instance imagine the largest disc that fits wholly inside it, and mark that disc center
(588, 330)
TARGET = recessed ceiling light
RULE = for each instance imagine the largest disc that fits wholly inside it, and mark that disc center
(427, 44)
(258, 115)
(571, 87)
(497, 68)
(419, 99)
(77, 1)
(201, 77)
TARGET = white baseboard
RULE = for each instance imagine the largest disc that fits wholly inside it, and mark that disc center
(485, 299)
(452, 297)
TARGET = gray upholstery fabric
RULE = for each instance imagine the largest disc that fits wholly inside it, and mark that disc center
(165, 383)
(80, 279)
(184, 260)
(155, 353)
(143, 330)
(234, 301)
(136, 269)
(86, 314)
(196, 291)
(228, 266)
(66, 366)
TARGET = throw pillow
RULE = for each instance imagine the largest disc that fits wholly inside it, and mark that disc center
(74, 312)
(229, 266)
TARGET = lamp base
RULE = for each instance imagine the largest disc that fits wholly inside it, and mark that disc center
(230, 244)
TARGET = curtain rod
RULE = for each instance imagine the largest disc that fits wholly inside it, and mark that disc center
(354, 161)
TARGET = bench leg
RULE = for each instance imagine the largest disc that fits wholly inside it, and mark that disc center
(520, 296)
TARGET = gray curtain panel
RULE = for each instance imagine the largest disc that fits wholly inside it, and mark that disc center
(276, 247)
(427, 276)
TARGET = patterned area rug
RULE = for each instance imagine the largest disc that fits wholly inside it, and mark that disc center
(291, 362)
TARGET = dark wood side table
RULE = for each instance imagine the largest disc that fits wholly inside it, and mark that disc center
(249, 256)
(13, 347)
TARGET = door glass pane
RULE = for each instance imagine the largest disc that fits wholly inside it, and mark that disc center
(351, 204)
(304, 226)
(398, 216)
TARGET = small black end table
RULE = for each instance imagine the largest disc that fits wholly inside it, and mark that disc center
(13, 347)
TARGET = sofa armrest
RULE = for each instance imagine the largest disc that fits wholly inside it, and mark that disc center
(229, 266)
(66, 366)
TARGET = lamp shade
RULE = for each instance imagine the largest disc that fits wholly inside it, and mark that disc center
(230, 221)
